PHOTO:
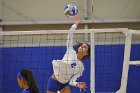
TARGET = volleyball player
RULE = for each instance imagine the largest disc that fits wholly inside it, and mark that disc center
(27, 82)
(67, 70)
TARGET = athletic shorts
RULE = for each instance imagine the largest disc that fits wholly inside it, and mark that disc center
(54, 85)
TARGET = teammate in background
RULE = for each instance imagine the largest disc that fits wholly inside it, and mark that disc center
(67, 70)
(27, 82)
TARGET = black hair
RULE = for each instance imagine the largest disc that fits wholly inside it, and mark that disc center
(28, 76)
(78, 45)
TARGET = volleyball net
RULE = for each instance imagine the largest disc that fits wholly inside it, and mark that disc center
(105, 71)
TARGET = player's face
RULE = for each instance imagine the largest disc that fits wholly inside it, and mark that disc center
(19, 82)
(83, 49)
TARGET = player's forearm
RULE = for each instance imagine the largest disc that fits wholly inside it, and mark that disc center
(70, 36)
(73, 27)
(73, 83)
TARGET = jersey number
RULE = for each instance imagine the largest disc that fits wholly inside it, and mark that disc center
(73, 64)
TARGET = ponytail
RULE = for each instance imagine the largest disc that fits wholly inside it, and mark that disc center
(28, 75)
(33, 88)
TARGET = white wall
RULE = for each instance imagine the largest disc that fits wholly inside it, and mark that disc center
(0, 9)
(117, 9)
(30, 10)
(35, 9)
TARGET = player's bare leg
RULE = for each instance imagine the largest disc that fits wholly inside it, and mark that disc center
(65, 90)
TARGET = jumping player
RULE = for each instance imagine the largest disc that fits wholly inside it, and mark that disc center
(67, 70)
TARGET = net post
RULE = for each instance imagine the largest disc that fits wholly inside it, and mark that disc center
(125, 70)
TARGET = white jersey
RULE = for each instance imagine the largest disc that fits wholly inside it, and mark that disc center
(69, 68)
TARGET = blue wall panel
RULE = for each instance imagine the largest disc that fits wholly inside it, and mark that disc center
(39, 60)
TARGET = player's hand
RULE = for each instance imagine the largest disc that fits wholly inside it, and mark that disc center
(76, 21)
(81, 85)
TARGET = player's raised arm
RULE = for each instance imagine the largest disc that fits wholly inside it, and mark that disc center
(76, 21)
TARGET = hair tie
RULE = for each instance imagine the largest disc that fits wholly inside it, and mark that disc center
(20, 76)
